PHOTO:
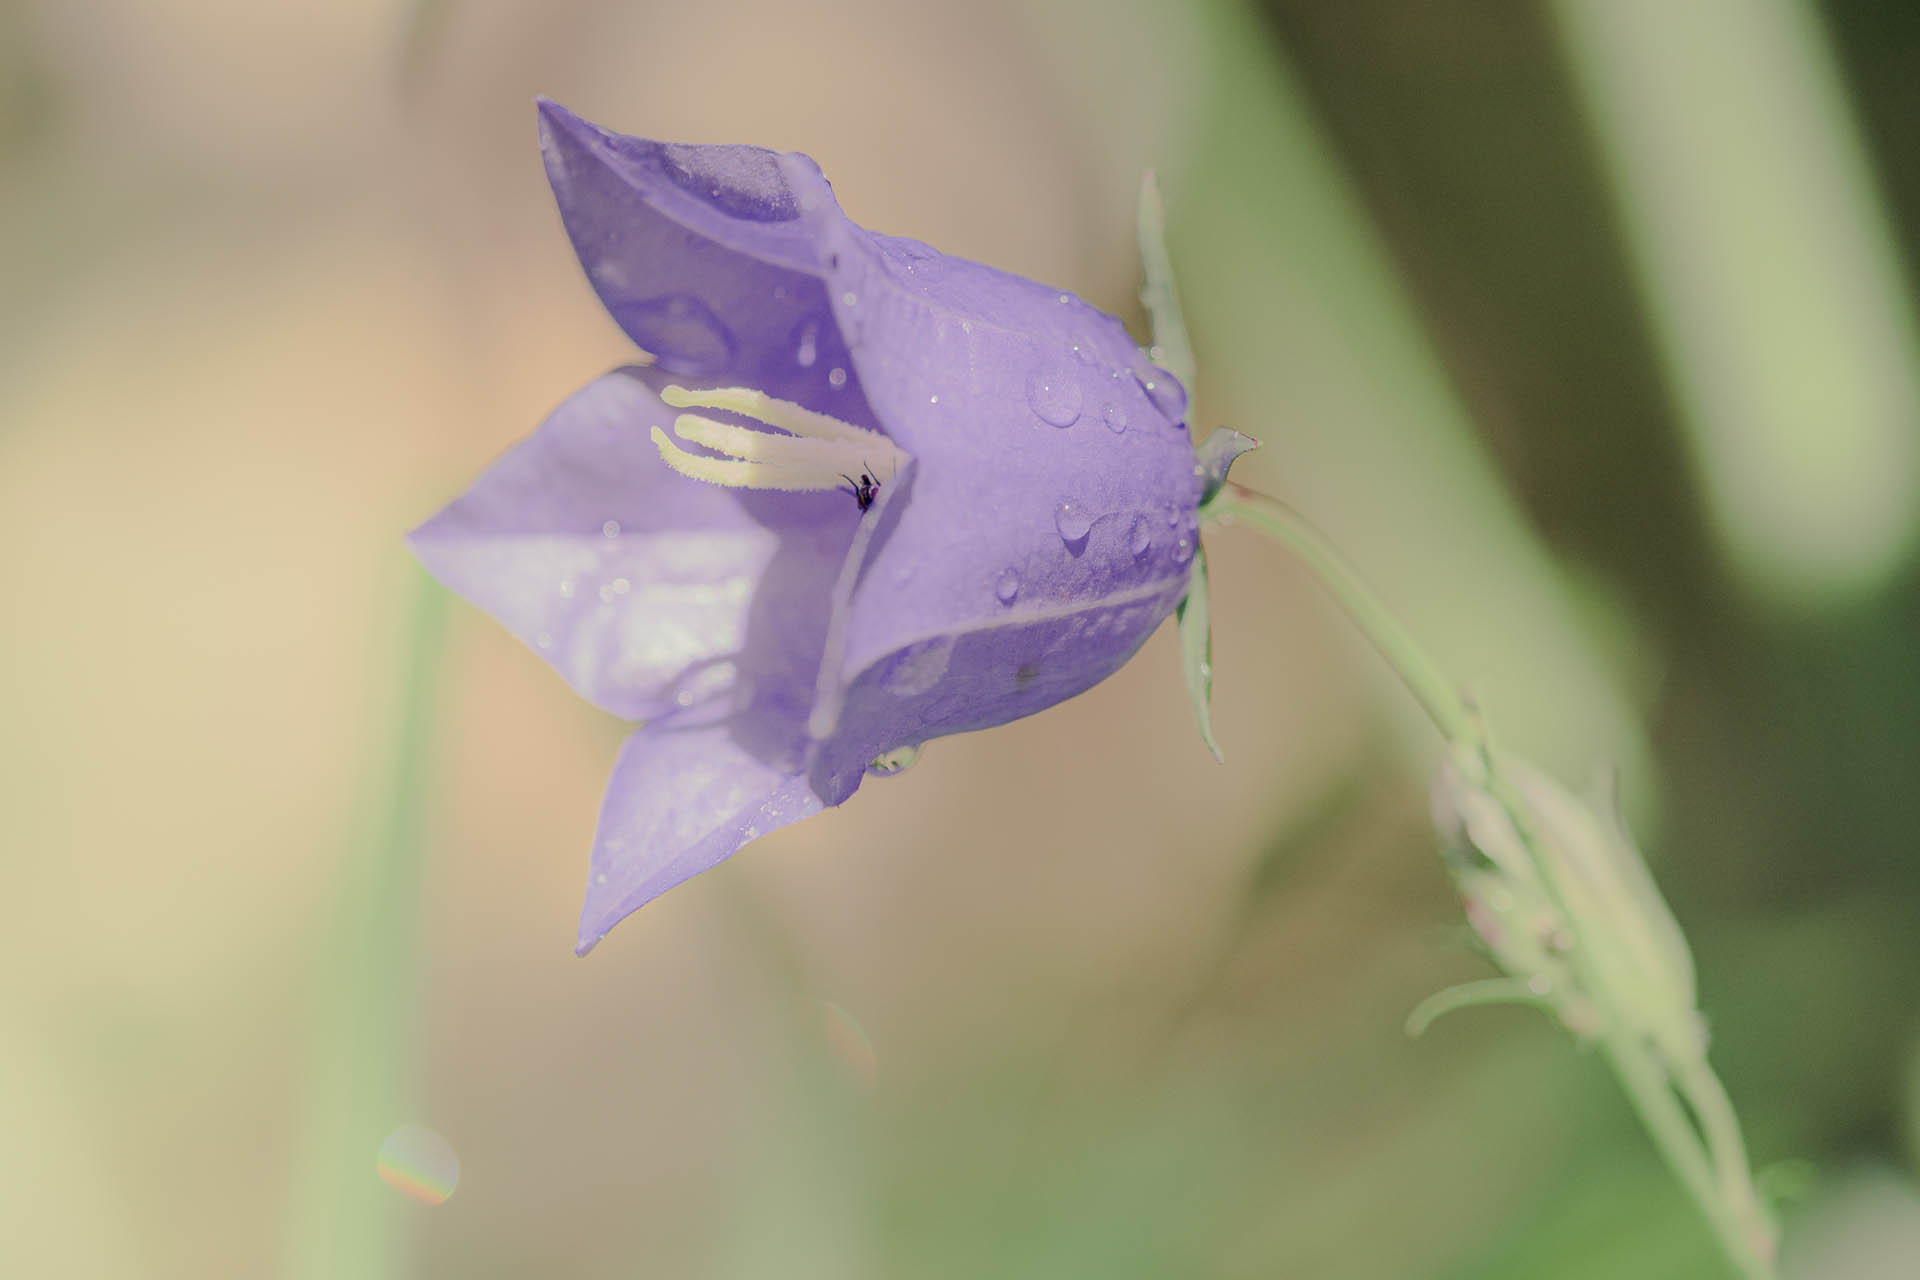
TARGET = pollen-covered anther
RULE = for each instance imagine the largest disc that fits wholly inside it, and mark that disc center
(809, 451)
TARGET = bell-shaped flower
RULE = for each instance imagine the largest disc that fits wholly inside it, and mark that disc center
(854, 495)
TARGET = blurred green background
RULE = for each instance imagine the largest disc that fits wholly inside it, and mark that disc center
(1586, 327)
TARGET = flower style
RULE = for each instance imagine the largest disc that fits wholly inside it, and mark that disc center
(856, 495)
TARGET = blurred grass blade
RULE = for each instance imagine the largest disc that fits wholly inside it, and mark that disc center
(343, 1221)
(1772, 278)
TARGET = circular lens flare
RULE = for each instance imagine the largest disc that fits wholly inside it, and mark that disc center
(419, 1164)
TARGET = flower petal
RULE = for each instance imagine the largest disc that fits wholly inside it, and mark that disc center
(680, 800)
(647, 592)
(1053, 513)
(699, 254)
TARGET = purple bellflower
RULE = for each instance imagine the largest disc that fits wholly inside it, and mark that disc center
(856, 495)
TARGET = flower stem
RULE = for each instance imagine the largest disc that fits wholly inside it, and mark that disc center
(342, 1220)
(1435, 693)
(1700, 1141)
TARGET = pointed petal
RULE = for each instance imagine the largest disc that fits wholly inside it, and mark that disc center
(639, 585)
(699, 254)
(679, 801)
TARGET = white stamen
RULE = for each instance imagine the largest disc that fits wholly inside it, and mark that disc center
(784, 414)
(732, 474)
(819, 452)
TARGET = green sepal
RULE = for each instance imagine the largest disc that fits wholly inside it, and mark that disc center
(1172, 350)
(1467, 995)
(1196, 649)
(1215, 454)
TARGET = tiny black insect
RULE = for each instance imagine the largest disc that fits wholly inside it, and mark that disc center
(864, 489)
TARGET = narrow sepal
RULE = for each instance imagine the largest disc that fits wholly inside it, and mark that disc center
(1196, 649)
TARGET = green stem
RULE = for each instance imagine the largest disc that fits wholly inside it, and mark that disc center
(1745, 1239)
(1714, 1171)
(1435, 693)
(342, 1221)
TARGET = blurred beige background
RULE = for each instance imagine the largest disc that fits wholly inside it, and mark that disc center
(279, 280)
(270, 303)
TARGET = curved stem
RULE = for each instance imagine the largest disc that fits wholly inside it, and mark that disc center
(1435, 693)
(1700, 1141)
(1746, 1240)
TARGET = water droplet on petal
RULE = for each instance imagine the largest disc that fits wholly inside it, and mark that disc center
(419, 1163)
(1183, 549)
(836, 378)
(1008, 587)
(888, 763)
(1073, 521)
(600, 878)
(919, 667)
(544, 640)
(933, 399)
(742, 182)
(610, 529)
(1054, 395)
(1165, 391)
(566, 588)
(1173, 516)
(1140, 537)
(809, 344)
(621, 586)
(1084, 353)
(681, 331)
(850, 298)
(1115, 417)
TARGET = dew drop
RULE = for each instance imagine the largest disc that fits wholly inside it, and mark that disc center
(600, 878)
(1115, 417)
(888, 763)
(933, 399)
(1173, 516)
(1073, 521)
(809, 344)
(682, 332)
(836, 378)
(1083, 353)
(1065, 298)
(566, 588)
(544, 640)
(742, 182)
(1140, 537)
(1165, 391)
(919, 667)
(621, 586)
(1054, 395)
(610, 529)
(1008, 587)
(684, 698)
(1183, 549)
(850, 298)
